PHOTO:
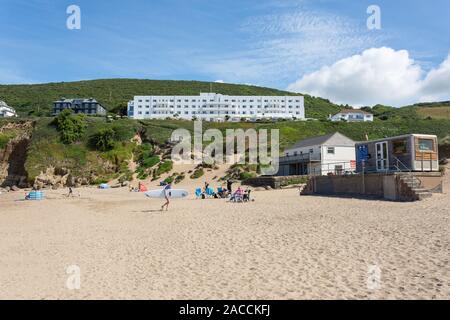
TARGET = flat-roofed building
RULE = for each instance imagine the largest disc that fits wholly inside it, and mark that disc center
(217, 107)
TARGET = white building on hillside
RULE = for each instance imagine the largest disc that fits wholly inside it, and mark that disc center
(217, 107)
(6, 111)
(352, 115)
(329, 154)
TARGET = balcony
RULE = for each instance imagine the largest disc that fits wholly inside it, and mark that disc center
(301, 158)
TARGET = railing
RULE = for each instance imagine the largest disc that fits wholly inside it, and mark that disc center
(343, 168)
(305, 157)
(401, 167)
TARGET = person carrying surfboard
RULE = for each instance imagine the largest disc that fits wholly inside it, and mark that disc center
(166, 195)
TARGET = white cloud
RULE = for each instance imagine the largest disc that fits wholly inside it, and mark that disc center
(437, 83)
(278, 45)
(219, 81)
(378, 75)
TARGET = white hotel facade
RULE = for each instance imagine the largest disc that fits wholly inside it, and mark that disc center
(217, 107)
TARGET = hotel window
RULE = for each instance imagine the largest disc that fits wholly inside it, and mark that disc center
(139, 100)
(330, 150)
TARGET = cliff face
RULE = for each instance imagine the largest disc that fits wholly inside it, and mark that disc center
(13, 154)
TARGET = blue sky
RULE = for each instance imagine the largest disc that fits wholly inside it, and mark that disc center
(272, 43)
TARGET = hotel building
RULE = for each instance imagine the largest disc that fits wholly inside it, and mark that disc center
(217, 107)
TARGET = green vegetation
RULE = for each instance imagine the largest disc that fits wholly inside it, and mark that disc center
(5, 138)
(294, 181)
(71, 127)
(163, 167)
(103, 140)
(198, 173)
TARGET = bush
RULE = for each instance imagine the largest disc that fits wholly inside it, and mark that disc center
(293, 181)
(103, 140)
(71, 127)
(164, 167)
(150, 162)
(198, 173)
(246, 175)
(4, 139)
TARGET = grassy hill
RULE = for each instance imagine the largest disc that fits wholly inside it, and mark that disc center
(114, 94)
(429, 110)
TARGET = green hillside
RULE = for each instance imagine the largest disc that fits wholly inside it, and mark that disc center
(428, 110)
(114, 94)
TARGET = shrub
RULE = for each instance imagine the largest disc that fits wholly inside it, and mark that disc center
(246, 175)
(179, 178)
(198, 173)
(150, 162)
(164, 167)
(103, 140)
(71, 127)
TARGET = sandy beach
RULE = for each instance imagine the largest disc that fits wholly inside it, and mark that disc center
(281, 246)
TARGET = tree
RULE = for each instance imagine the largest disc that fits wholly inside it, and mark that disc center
(71, 127)
(103, 140)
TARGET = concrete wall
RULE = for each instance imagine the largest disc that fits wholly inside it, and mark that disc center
(273, 182)
(378, 185)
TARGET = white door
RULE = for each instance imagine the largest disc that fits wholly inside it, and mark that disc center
(382, 156)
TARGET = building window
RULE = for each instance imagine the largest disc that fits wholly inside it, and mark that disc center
(426, 145)
(311, 150)
(330, 150)
(399, 146)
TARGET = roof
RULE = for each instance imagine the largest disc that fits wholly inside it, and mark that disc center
(336, 138)
(3, 105)
(77, 100)
(353, 111)
(419, 135)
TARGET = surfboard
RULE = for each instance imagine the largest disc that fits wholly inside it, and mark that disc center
(172, 193)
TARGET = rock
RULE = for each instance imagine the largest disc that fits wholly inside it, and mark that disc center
(15, 188)
(125, 183)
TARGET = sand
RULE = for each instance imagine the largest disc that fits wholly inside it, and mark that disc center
(281, 246)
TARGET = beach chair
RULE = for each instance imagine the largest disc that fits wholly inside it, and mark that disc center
(238, 198)
(198, 193)
(219, 190)
(210, 192)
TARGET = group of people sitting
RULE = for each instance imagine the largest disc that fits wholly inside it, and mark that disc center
(240, 195)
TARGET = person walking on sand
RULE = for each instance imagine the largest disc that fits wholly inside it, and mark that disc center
(229, 186)
(166, 195)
